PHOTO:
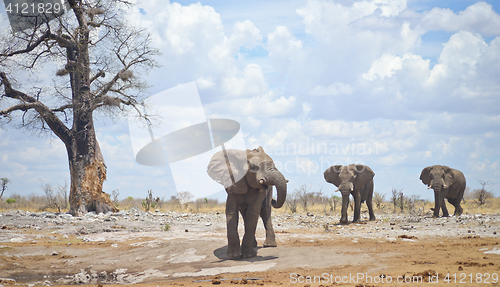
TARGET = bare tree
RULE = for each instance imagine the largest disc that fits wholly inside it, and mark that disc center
(115, 193)
(411, 202)
(397, 199)
(303, 193)
(4, 183)
(56, 197)
(379, 198)
(334, 201)
(481, 195)
(98, 58)
(185, 197)
(401, 200)
(291, 201)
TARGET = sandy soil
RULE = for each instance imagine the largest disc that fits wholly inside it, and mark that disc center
(133, 248)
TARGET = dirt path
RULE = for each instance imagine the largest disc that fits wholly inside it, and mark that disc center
(59, 250)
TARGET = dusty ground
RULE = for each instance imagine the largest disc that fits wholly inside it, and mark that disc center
(133, 247)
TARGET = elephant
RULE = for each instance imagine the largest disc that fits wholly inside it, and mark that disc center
(447, 183)
(355, 179)
(248, 177)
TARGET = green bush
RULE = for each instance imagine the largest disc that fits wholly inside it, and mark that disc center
(10, 200)
(166, 227)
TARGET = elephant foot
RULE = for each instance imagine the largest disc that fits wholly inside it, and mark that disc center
(372, 218)
(446, 215)
(270, 243)
(248, 252)
(344, 221)
(233, 251)
(355, 220)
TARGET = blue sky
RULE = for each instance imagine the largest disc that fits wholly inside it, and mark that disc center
(397, 85)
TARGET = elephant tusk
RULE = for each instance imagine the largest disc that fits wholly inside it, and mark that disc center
(429, 187)
(261, 181)
(287, 181)
(338, 189)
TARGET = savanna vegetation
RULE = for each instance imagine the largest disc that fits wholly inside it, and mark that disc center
(305, 199)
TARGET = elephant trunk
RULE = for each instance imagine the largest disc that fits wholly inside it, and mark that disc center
(276, 178)
(437, 198)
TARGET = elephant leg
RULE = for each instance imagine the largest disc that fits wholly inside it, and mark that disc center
(458, 209)
(265, 214)
(244, 216)
(233, 239)
(254, 201)
(357, 207)
(369, 204)
(443, 207)
(343, 211)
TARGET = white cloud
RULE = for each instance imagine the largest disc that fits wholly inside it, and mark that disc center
(249, 82)
(384, 67)
(334, 89)
(479, 17)
(245, 34)
(321, 14)
(347, 74)
(283, 48)
(267, 106)
(462, 50)
(203, 83)
(393, 159)
(179, 27)
(339, 128)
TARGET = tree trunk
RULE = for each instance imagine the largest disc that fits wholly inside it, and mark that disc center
(87, 177)
(88, 173)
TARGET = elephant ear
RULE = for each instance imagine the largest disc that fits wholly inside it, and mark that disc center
(425, 175)
(365, 174)
(218, 167)
(332, 174)
(449, 176)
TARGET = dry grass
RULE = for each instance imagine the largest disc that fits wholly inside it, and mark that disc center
(492, 206)
(37, 203)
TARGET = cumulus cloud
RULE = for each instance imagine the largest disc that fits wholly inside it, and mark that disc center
(479, 17)
(348, 75)
(246, 35)
(283, 47)
(249, 82)
(259, 106)
(462, 51)
(334, 89)
(339, 128)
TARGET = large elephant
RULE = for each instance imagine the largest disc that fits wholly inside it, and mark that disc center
(355, 179)
(248, 177)
(447, 183)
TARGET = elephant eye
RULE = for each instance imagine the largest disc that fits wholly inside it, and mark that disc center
(254, 168)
